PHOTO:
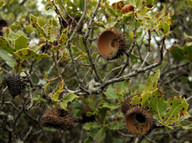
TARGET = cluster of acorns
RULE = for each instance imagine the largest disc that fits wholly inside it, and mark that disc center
(138, 120)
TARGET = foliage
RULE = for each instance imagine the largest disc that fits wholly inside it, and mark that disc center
(54, 49)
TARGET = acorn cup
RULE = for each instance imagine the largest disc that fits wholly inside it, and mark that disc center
(57, 118)
(15, 83)
(111, 43)
(138, 120)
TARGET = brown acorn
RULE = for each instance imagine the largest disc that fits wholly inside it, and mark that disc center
(15, 83)
(111, 43)
(57, 118)
(138, 121)
(128, 8)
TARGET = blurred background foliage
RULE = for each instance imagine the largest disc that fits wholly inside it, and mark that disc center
(35, 45)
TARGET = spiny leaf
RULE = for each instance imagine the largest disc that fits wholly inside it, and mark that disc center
(91, 125)
(177, 52)
(110, 93)
(109, 106)
(21, 42)
(4, 44)
(178, 108)
(149, 88)
(7, 58)
(158, 105)
(152, 80)
(68, 98)
(116, 125)
(59, 89)
(36, 25)
(187, 51)
(27, 53)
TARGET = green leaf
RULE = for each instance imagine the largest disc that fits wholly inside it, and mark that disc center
(7, 58)
(48, 6)
(109, 106)
(21, 42)
(187, 51)
(5, 45)
(41, 21)
(177, 52)
(152, 80)
(99, 135)
(36, 25)
(59, 89)
(68, 98)
(27, 53)
(110, 93)
(164, 27)
(2, 3)
(91, 125)
(116, 125)
(29, 28)
(158, 105)
(178, 108)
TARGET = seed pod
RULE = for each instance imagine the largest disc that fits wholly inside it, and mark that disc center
(111, 43)
(128, 8)
(57, 118)
(15, 83)
(138, 121)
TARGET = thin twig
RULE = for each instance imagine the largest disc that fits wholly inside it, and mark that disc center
(85, 42)
(56, 66)
(124, 67)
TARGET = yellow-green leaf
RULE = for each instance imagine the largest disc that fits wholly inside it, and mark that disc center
(36, 25)
(27, 53)
(21, 42)
(4, 44)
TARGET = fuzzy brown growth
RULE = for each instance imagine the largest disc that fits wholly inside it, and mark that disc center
(138, 121)
(57, 118)
(127, 104)
(85, 117)
(15, 83)
(111, 43)
(128, 8)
